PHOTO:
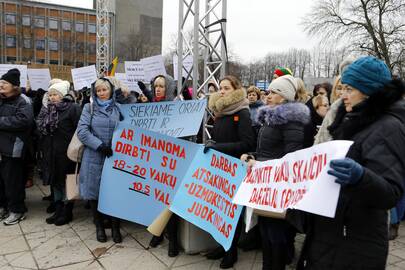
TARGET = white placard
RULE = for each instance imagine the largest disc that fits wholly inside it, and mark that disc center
(187, 66)
(299, 180)
(23, 72)
(84, 77)
(39, 78)
(134, 73)
(153, 66)
(122, 77)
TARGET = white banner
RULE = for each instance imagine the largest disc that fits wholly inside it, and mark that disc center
(39, 78)
(187, 66)
(84, 77)
(134, 73)
(23, 72)
(153, 66)
(299, 180)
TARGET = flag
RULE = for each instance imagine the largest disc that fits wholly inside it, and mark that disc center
(112, 67)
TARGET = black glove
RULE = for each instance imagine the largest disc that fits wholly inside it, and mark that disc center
(105, 150)
(210, 144)
(142, 86)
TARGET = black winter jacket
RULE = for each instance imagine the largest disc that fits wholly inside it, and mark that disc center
(233, 134)
(16, 121)
(282, 131)
(54, 146)
(357, 238)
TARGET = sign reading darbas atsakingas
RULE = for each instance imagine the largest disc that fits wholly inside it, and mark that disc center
(299, 180)
(205, 195)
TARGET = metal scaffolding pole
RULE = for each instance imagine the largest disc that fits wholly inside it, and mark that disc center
(103, 36)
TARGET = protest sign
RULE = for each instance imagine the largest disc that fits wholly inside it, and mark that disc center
(153, 66)
(39, 78)
(134, 73)
(187, 66)
(140, 179)
(84, 77)
(23, 72)
(206, 192)
(299, 180)
(174, 118)
(122, 77)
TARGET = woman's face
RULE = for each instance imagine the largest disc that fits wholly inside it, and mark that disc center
(143, 98)
(274, 99)
(225, 88)
(212, 89)
(6, 88)
(351, 97)
(321, 92)
(323, 108)
(252, 97)
(103, 92)
(160, 88)
(54, 97)
(263, 96)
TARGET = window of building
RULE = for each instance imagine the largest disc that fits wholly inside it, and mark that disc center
(10, 18)
(27, 43)
(53, 24)
(40, 44)
(66, 25)
(40, 61)
(79, 64)
(53, 45)
(39, 22)
(11, 42)
(54, 62)
(67, 46)
(91, 28)
(79, 27)
(79, 47)
(26, 20)
(67, 63)
(92, 48)
(11, 59)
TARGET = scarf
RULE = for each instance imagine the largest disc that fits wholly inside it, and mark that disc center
(229, 104)
(104, 103)
(51, 117)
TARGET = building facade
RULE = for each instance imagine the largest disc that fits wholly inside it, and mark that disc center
(44, 33)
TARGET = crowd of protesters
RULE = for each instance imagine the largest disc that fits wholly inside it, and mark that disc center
(365, 105)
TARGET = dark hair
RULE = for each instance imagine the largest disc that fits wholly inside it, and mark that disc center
(327, 86)
(235, 82)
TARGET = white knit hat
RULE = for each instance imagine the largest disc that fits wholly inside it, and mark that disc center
(286, 86)
(61, 87)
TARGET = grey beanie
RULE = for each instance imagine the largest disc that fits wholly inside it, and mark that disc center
(286, 86)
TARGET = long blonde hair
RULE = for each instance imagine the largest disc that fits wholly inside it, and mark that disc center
(333, 95)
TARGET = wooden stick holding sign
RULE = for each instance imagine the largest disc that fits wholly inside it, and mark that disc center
(159, 224)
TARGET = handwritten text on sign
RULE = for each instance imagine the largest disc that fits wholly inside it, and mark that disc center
(142, 176)
(175, 118)
(205, 195)
(298, 180)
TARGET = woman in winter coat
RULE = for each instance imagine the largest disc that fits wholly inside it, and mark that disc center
(95, 131)
(164, 89)
(282, 132)
(371, 176)
(56, 124)
(233, 135)
(255, 103)
(16, 121)
(318, 106)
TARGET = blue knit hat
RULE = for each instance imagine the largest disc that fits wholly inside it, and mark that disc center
(367, 74)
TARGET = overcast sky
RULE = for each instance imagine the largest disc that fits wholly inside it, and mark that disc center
(254, 27)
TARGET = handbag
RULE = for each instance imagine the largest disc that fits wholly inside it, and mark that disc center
(72, 185)
(76, 147)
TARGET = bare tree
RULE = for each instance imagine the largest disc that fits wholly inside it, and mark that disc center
(376, 27)
(135, 47)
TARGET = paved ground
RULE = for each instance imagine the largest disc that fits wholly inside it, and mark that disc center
(33, 244)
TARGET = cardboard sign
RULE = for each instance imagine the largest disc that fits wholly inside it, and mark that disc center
(23, 72)
(174, 118)
(205, 195)
(134, 73)
(140, 179)
(153, 66)
(299, 180)
(187, 66)
(39, 78)
(84, 77)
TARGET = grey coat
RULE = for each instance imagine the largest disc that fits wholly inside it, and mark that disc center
(101, 131)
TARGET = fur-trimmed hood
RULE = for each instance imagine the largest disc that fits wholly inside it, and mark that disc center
(283, 114)
(218, 103)
(171, 88)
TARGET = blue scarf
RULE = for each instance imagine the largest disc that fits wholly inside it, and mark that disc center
(104, 103)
